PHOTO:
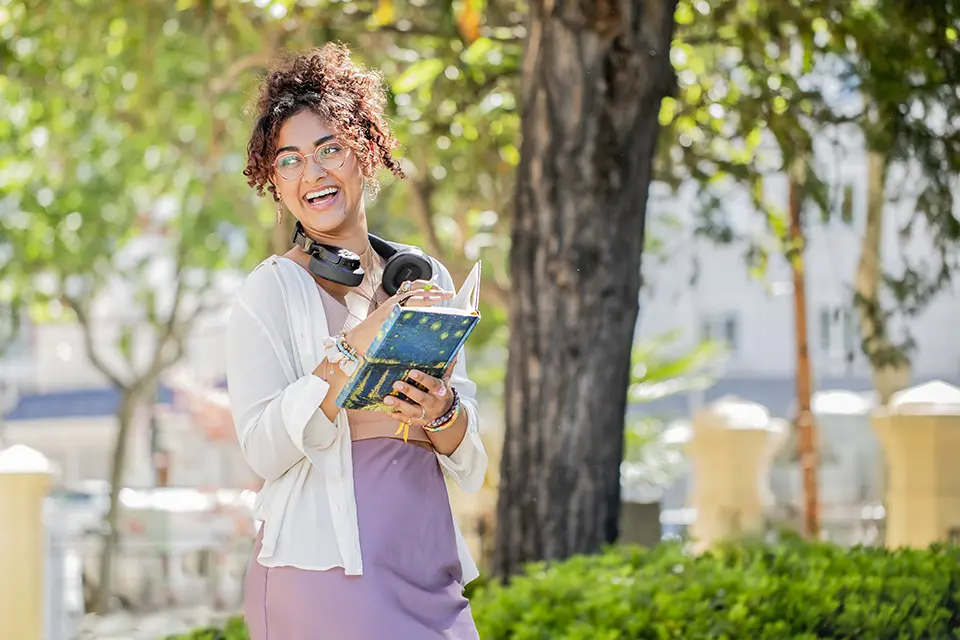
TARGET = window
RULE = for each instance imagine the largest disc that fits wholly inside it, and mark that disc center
(838, 331)
(721, 328)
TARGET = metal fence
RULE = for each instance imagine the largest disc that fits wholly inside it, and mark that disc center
(150, 574)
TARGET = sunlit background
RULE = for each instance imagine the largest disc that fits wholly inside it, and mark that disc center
(126, 228)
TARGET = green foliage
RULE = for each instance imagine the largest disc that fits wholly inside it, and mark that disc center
(234, 629)
(455, 112)
(740, 591)
(760, 82)
(662, 367)
(152, 115)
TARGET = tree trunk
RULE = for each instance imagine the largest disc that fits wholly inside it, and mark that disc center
(126, 414)
(806, 425)
(889, 367)
(594, 76)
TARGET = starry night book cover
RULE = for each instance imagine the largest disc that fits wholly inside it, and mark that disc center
(423, 338)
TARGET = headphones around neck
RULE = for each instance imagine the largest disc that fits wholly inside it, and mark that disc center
(342, 266)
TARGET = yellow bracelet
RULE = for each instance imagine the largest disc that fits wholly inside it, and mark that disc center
(447, 423)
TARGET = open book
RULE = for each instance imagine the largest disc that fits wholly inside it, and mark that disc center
(422, 338)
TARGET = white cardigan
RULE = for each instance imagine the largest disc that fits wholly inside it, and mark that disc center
(307, 504)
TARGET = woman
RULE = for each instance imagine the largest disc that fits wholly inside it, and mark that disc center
(358, 540)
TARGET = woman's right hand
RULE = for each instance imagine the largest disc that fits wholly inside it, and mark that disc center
(422, 293)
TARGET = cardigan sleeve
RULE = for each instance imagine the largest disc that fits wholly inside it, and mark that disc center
(276, 412)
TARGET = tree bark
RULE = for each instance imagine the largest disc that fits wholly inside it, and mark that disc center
(594, 76)
(806, 424)
(126, 414)
(889, 367)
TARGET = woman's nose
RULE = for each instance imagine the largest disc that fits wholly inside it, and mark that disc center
(313, 170)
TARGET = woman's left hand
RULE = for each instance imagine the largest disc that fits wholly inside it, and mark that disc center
(425, 406)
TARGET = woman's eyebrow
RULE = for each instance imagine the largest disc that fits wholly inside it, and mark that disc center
(317, 143)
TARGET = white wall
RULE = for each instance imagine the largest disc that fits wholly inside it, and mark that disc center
(763, 309)
(82, 447)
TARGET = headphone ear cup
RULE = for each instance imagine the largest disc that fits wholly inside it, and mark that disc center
(405, 265)
(335, 273)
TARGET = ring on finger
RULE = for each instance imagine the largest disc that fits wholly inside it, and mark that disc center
(423, 412)
(442, 391)
(405, 287)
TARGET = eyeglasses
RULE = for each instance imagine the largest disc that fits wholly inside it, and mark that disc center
(290, 165)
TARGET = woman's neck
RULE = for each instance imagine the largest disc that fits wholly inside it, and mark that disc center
(353, 238)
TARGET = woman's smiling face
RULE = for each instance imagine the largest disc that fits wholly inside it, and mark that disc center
(325, 199)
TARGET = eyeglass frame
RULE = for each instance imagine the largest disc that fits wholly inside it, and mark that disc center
(292, 152)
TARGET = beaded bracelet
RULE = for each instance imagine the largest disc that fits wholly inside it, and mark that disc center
(446, 420)
(345, 348)
(338, 351)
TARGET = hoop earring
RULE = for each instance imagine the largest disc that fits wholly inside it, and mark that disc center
(371, 189)
(279, 210)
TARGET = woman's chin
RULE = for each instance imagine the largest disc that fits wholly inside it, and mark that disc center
(325, 220)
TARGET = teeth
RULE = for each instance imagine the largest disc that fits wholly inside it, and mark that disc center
(326, 191)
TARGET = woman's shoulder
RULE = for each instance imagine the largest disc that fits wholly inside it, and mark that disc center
(267, 285)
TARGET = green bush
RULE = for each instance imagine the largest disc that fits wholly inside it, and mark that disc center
(744, 591)
(747, 591)
(234, 629)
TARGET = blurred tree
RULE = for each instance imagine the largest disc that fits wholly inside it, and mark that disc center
(906, 68)
(593, 79)
(746, 110)
(117, 158)
(120, 159)
(138, 137)
(761, 84)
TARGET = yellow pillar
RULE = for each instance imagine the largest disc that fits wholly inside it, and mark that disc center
(731, 447)
(25, 478)
(920, 433)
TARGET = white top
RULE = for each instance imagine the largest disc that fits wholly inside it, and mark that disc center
(307, 504)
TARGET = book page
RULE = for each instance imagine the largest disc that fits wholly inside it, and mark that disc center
(468, 297)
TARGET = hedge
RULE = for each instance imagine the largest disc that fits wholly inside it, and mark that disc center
(745, 591)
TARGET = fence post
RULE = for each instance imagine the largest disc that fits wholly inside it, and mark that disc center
(920, 432)
(733, 442)
(25, 479)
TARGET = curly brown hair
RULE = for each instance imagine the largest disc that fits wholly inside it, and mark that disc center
(347, 96)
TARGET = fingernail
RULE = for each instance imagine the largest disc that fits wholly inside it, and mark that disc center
(415, 375)
(399, 386)
(389, 400)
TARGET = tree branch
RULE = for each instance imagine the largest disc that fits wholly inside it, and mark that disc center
(422, 190)
(95, 359)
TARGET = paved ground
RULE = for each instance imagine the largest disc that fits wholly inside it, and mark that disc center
(153, 626)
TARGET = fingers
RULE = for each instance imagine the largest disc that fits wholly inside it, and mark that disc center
(425, 299)
(432, 384)
(422, 399)
(411, 412)
(421, 293)
(423, 406)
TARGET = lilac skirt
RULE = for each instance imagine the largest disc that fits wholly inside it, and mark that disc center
(410, 586)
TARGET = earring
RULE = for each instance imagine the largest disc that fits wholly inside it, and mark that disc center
(370, 189)
(279, 210)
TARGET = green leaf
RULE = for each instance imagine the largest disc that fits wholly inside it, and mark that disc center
(417, 75)
(477, 52)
